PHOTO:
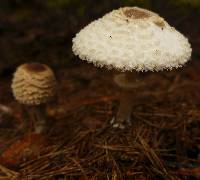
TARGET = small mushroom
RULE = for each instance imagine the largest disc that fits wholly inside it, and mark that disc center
(34, 85)
(141, 41)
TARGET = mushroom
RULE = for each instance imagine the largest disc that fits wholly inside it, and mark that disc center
(34, 85)
(131, 39)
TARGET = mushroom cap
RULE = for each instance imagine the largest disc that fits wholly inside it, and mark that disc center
(132, 38)
(33, 84)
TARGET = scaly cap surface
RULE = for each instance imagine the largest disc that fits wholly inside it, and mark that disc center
(33, 84)
(132, 38)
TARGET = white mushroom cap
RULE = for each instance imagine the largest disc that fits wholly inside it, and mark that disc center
(132, 38)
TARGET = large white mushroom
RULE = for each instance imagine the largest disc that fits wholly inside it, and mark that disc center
(131, 39)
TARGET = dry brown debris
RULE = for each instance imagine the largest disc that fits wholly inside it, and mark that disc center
(163, 141)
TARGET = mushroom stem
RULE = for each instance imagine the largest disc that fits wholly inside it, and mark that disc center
(128, 82)
(39, 118)
(26, 119)
(123, 116)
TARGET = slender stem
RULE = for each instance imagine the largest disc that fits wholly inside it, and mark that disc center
(128, 82)
(39, 118)
(26, 119)
(125, 108)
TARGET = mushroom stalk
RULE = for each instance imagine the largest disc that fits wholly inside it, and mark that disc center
(39, 118)
(128, 82)
(125, 109)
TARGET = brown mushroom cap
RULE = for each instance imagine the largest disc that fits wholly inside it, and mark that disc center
(33, 84)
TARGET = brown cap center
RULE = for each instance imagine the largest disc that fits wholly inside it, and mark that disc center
(134, 13)
(35, 67)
